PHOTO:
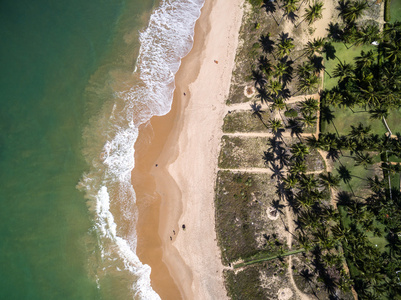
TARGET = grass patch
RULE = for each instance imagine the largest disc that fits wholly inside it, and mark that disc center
(241, 203)
(344, 118)
(245, 284)
(395, 181)
(244, 121)
(242, 152)
(345, 55)
(358, 183)
(267, 258)
(395, 10)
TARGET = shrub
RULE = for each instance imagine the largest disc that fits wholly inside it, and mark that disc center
(292, 113)
(256, 3)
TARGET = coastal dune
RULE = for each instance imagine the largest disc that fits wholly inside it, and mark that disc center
(176, 163)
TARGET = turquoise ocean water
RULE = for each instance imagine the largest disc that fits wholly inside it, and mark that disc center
(77, 79)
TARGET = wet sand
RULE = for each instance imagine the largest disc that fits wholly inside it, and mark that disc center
(184, 145)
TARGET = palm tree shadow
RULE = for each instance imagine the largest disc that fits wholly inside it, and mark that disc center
(270, 8)
(327, 115)
(333, 154)
(267, 43)
(296, 128)
(344, 198)
(308, 278)
(279, 134)
(292, 16)
(335, 32)
(257, 112)
(277, 170)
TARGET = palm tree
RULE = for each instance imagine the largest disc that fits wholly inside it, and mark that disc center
(298, 167)
(308, 84)
(340, 232)
(308, 183)
(392, 52)
(370, 96)
(329, 181)
(313, 47)
(275, 87)
(313, 142)
(343, 70)
(360, 132)
(309, 119)
(304, 70)
(363, 159)
(275, 125)
(290, 7)
(280, 70)
(278, 103)
(365, 60)
(299, 150)
(309, 105)
(367, 34)
(351, 11)
(284, 46)
(375, 184)
(378, 113)
(313, 13)
(290, 181)
(304, 201)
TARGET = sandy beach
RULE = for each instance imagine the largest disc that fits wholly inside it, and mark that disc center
(176, 161)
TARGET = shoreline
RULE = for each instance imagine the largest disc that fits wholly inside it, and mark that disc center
(184, 144)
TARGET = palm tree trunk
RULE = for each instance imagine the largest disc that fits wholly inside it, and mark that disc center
(281, 20)
(296, 26)
(301, 4)
(327, 73)
(388, 128)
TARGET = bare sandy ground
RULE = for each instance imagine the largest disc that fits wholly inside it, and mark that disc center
(176, 165)
(194, 169)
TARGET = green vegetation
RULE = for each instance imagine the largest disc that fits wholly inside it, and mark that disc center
(358, 182)
(395, 10)
(245, 121)
(244, 285)
(267, 258)
(241, 204)
(239, 152)
(348, 212)
(336, 52)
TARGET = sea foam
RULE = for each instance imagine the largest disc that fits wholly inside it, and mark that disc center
(167, 38)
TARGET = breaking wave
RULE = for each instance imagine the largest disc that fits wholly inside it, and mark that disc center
(167, 38)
